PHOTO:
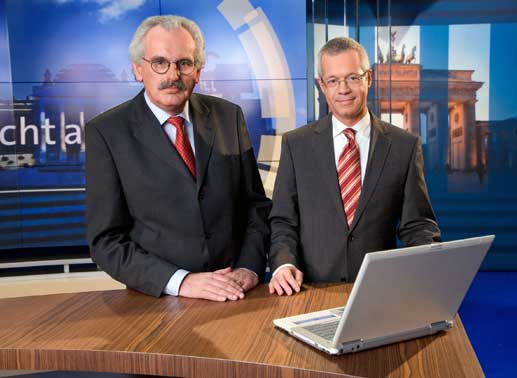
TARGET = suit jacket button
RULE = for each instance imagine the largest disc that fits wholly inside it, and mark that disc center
(208, 235)
(343, 279)
(201, 195)
(351, 238)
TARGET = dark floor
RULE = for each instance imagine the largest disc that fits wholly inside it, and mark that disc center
(489, 314)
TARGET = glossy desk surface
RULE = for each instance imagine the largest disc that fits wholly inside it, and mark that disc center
(122, 331)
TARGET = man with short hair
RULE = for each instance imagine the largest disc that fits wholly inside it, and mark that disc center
(175, 203)
(347, 184)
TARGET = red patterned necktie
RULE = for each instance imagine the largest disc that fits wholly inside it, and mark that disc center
(183, 145)
(349, 174)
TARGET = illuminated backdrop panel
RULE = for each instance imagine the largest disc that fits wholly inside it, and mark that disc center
(63, 62)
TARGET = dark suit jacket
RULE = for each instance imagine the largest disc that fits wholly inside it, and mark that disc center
(308, 226)
(147, 217)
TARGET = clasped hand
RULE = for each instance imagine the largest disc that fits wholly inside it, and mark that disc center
(220, 285)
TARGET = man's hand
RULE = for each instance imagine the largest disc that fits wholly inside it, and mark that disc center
(286, 280)
(214, 286)
(243, 277)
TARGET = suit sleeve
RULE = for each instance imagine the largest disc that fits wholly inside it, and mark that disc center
(417, 223)
(284, 218)
(255, 240)
(109, 222)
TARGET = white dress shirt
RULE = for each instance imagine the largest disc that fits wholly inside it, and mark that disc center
(363, 130)
(173, 286)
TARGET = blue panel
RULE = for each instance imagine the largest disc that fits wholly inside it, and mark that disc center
(62, 220)
(70, 33)
(367, 39)
(503, 72)
(434, 47)
(434, 59)
(5, 64)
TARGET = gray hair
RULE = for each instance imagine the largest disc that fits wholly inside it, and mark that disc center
(136, 48)
(340, 45)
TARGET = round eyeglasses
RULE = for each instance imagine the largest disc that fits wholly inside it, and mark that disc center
(162, 65)
(353, 80)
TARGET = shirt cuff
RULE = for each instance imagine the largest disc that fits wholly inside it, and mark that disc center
(173, 286)
(280, 267)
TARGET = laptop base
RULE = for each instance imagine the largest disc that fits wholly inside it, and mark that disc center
(358, 345)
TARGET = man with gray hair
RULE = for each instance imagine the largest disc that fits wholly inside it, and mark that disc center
(347, 184)
(175, 203)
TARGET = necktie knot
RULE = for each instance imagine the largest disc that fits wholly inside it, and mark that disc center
(177, 122)
(350, 134)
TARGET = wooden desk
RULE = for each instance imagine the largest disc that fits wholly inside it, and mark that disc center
(125, 332)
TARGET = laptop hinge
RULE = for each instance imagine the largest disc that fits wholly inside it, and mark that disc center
(444, 324)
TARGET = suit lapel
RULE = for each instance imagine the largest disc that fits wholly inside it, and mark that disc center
(379, 148)
(203, 135)
(323, 147)
(148, 131)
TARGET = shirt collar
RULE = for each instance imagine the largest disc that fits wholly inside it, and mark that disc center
(362, 127)
(162, 115)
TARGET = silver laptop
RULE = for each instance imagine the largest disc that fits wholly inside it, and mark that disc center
(398, 295)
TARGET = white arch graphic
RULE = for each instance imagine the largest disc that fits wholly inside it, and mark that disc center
(271, 70)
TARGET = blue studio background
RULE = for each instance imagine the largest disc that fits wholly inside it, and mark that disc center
(443, 69)
(64, 62)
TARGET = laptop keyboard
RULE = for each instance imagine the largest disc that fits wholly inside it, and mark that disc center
(324, 330)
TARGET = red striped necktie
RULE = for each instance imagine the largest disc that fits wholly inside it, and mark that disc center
(183, 145)
(349, 174)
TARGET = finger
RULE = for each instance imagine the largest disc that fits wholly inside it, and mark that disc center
(228, 280)
(224, 270)
(291, 280)
(220, 294)
(278, 288)
(238, 276)
(285, 286)
(299, 277)
(250, 283)
(195, 288)
(247, 284)
(271, 288)
(234, 277)
(213, 295)
(228, 276)
(223, 289)
(247, 280)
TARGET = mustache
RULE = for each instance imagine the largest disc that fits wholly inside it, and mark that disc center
(172, 83)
